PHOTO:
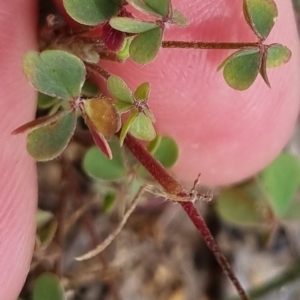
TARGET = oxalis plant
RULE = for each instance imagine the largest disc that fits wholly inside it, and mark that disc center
(68, 56)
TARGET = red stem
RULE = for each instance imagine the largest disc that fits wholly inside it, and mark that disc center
(174, 187)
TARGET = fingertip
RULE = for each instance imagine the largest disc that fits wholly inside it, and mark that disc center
(18, 187)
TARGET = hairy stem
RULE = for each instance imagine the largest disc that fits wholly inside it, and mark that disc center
(173, 187)
(207, 45)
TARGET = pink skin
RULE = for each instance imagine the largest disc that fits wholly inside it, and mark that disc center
(224, 134)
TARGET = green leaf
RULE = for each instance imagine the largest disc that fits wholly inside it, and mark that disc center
(142, 92)
(167, 152)
(48, 142)
(43, 217)
(123, 53)
(45, 101)
(119, 89)
(97, 165)
(90, 89)
(243, 205)
(281, 180)
(153, 145)
(141, 6)
(48, 287)
(144, 47)
(159, 6)
(55, 73)
(130, 25)
(103, 116)
(126, 126)
(109, 201)
(278, 55)
(91, 12)
(179, 19)
(142, 128)
(292, 213)
(261, 16)
(46, 233)
(241, 68)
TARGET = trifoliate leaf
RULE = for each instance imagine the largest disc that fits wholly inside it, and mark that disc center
(119, 89)
(97, 165)
(47, 287)
(278, 55)
(241, 68)
(142, 91)
(142, 128)
(281, 180)
(91, 12)
(55, 73)
(103, 115)
(161, 7)
(179, 19)
(49, 141)
(130, 25)
(167, 152)
(261, 16)
(145, 47)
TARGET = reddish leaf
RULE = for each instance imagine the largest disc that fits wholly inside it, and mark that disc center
(43, 121)
(99, 140)
(112, 38)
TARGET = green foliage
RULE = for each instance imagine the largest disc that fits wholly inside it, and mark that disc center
(143, 7)
(142, 128)
(166, 152)
(241, 68)
(130, 25)
(109, 201)
(91, 12)
(281, 180)
(48, 287)
(179, 19)
(46, 101)
(123, 53)
(97, 165)
(48, 141)
(243, 206)
(278, 55)
(55, 73)
(261, 16)
(144, 48)
(140, 121)
(271, 197)
(161, 7)
(121, 92)
(90, 89)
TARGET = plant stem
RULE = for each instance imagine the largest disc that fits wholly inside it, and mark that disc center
(208, 45)
(97, 69)
(174, 187)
